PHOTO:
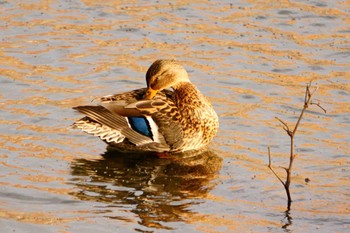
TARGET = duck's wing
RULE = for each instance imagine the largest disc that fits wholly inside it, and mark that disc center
(142, 122)
(110, 123)
(163, 115)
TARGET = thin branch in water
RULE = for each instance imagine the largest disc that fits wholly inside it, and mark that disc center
(291, 133)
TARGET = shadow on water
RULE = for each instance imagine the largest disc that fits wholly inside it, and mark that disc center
(155, 189)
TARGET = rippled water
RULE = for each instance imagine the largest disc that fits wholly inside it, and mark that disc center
(251, 58)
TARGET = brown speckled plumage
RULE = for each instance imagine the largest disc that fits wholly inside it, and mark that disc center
(180, 120)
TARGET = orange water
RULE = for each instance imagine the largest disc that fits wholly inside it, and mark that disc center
(251, 58)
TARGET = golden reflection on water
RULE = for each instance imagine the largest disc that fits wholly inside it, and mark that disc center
(155, 189)
(252, 58)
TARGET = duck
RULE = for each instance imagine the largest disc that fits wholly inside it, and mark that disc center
(170, 115)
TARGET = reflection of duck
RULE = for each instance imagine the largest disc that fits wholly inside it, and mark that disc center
(157, 190)
(154, 119)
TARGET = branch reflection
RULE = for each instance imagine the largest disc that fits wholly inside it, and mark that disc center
(155, 189)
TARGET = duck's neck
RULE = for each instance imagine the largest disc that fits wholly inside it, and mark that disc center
(181, 85)
(186, 92)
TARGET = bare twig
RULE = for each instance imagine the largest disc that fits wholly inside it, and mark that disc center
(285, 125)
(291, 133)
(308, 96)
(319, 105)
(271, 168)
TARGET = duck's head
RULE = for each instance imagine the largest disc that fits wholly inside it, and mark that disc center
(163, 74)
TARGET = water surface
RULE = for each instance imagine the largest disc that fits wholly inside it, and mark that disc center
(251, 58)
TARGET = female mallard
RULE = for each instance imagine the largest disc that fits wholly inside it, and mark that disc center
(154, 119)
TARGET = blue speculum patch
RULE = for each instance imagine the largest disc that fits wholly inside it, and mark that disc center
(140, 125)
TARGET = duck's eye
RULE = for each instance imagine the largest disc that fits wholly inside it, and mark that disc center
(155, 80)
